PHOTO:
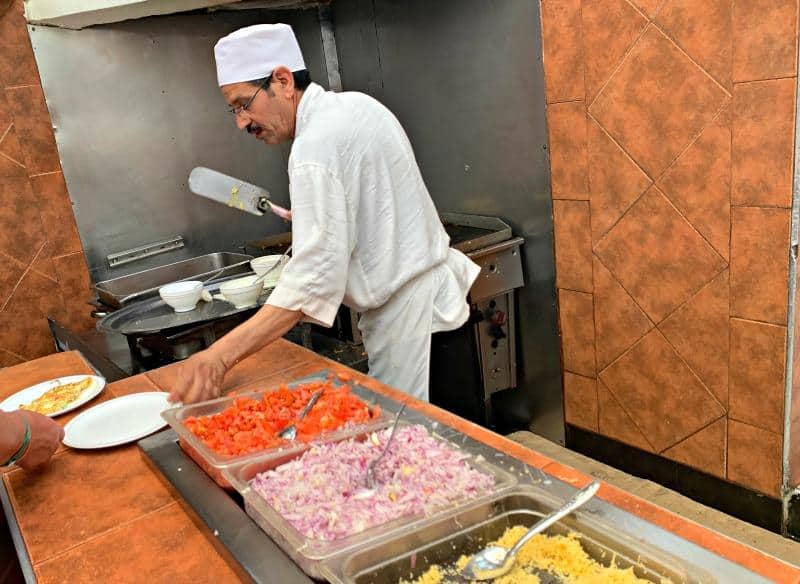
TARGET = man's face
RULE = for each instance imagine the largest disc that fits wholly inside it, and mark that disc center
(270, 116)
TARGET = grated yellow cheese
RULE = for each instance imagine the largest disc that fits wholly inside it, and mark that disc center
(560, 555)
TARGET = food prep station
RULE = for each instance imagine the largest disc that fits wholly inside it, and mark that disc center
(267, 547)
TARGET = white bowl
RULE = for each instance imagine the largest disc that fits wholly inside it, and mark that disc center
(242, 292)
(182, 296)
(264, 263)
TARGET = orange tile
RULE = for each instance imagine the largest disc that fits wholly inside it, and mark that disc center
(615, 181)
(11, 168)
(609, 29)
(699, 184)
(10, 273)
(657, 102)
(705, 450)
(39, 294)
(763, 143)
(580, 401)
(619, 322)
(58, 217)
(563, 50)
(21, 232)
(754, 457)
(577, 332)
(73, 276)
(34, 127)
(757, 374)
(135, 384)
(698, 331)
(82, 495)
(764, 39)
(35, 341)
(616, 423)
(10, 146)
(44, 262)
(760, 263)
(657, 256)
(9, 359)
(17, 64)
(702, 29)
(164, 546)
(568, 150)
(660, 393)
(573, 243)
(649, 7)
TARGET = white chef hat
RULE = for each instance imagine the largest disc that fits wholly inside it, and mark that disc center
(255, 51)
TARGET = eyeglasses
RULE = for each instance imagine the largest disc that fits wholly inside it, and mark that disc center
(243, 108)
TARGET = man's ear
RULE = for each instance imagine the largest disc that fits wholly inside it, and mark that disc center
(283, 80)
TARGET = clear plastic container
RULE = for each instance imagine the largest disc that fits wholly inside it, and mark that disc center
(408, 554)
(213, 463)
(309, 553)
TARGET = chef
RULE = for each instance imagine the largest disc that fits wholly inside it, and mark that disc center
(365, 231)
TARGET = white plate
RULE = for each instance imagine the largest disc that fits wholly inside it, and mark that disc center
(27, 395)
(118, 421)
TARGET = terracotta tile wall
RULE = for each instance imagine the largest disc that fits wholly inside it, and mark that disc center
(672, 136)
(42, 268)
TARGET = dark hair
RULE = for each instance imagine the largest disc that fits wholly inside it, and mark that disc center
(302, 79)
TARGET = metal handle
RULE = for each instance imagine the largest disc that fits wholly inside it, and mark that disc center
(99, 314)
(374, 463)
(581, 498)
(309, 405)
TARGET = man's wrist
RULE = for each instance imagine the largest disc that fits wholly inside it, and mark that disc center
(23, 448)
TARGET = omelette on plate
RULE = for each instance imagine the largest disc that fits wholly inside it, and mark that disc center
(58, 398)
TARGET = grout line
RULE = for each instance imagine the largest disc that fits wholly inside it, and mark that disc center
(44, 173)
(743, 319)
(564, 101)
(752, 206)
(22, 86)
(8, 129)
(573, 290)
(17, 162)
(694, 295)
(22, 277)
(765, 80)
(751, 424)
(109, 531)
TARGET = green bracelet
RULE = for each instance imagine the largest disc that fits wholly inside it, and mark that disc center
(22, 449)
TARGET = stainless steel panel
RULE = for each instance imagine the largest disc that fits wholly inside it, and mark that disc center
(501, 270)
(465, 79)
(136, 106)
(489, 230)
(146, 283)
(498, 355)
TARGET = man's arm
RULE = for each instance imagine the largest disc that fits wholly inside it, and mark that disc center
(45, 436)
(12, 431)
(200, 376)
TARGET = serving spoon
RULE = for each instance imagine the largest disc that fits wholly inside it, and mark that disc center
(290, 432)
(495, 561)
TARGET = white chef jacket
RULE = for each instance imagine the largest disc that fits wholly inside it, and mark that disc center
(364, 228)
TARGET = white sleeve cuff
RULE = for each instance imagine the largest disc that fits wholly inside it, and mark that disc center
(315, 309)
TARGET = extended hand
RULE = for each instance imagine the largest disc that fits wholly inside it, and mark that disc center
(199, 378)
(46, 435)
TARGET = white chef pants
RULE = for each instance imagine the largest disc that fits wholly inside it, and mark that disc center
(397, 335)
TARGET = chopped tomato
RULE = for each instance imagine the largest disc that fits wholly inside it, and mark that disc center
(250, 425)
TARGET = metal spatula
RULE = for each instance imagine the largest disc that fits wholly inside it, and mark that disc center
(234, 192)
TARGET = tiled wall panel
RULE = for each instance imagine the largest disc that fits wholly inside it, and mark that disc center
(689, 142)
(42, 268)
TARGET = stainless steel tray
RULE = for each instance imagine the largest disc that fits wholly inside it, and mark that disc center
(154, 315)
(471, 232)
(119, 291)
(468, 531)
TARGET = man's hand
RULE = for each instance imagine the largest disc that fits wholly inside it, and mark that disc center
(199, 378)
(46, 435)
